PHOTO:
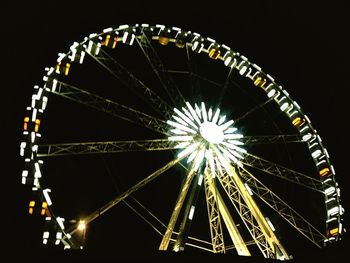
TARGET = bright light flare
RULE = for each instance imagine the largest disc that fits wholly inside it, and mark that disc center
(199, 159)
(188, 150)
(81, 225)
(180, 138)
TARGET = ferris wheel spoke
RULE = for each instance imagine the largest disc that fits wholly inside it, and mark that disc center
(216, 232)
(282, 172)
(192, 241)
(225, 86)
(153, 220)
(192, 73)
(195, 75)
(152, 215)
(282, 208)
(48, 150)
(147, 221)
(105, 105)
(159, 69)
(131, 81)
(255, 108)
(128, 192)
(273, 139)
(196, 242)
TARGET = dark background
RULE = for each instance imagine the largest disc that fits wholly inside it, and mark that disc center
(303, 45)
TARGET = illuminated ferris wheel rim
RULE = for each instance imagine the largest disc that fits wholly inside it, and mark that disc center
(206, 128)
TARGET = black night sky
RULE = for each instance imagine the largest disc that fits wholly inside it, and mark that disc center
(302, 44)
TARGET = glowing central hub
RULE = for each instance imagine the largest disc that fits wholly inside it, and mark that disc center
(211, 132)
(190, 125)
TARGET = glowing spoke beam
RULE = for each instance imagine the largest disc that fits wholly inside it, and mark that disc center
(233, 136)
(234, 147)
(199, 159)
(230, 130)
(177, 131)
(229, 155)
(198, 111)
(180, 138)
(182, 145)
(179, 120)
(211, 162)
(194, 114)
(204, 112)
(226, 125)
(210, 114)
(222, 119)
(187, 113)
(192, 156)
(191, 148)
(235, 154)
(216, 116)
(186, 119)
(181, 127)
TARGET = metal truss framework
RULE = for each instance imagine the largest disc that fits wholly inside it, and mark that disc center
(246, 215)
(46, 150)
(282, 208)
(250, 213)
(105, 147)
(282, 172)
(217, 236)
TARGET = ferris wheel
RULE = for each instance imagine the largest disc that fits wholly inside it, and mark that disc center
(188, 135)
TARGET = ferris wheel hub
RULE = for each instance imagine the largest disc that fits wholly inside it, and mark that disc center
(196, 123)
(211, 132)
